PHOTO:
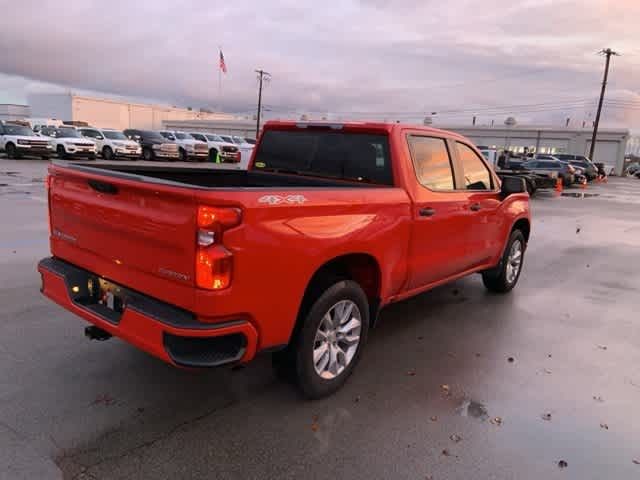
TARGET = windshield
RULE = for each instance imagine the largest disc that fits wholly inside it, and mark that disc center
(250, 140)
(17, 130)
(352, 156)
(67, 133)
(184, 136)
(213, 138)
(238, 140)
(167, 135)
(226, 139)
(114, 135)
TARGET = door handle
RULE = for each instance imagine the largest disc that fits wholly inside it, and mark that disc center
(427, 212)
(475, 207)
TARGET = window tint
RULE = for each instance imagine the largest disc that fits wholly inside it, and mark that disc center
(199, 136)
(476, 174)
(89, 133)
(352, 156)
(431, 162)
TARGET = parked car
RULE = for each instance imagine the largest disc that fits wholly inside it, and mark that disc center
(589, 169)
(18, 141)
(250, 141)
(112, 143)
(632, 168)
(154, 146)
(68, 143)
(189, 147)
(553, 169)
(296, 255)
(219, 150)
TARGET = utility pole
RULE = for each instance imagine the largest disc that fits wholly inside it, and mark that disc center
(607, 53)
(262, 75)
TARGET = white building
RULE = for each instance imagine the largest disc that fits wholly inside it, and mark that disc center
(610, 145)
(11, 111)
(112, 113)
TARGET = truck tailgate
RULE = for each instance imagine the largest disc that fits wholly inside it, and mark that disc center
(131, 232)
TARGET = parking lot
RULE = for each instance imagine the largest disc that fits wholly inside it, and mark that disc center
(454, 384)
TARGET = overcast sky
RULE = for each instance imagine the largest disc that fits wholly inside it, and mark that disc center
(393, 59)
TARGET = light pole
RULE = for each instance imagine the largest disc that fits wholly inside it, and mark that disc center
(266, 76)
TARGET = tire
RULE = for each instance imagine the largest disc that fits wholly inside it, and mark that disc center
(319, 379)
(183, 155)
(503, 279)
(12, 151)
(62, 153)
(148, 155)
(107, 153)
(213, 154)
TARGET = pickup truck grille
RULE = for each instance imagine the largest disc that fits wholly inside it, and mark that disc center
(86, 145)
(229, 149)
(133, 148)
(169, 147)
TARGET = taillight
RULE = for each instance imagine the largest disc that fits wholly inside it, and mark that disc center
(214, 263)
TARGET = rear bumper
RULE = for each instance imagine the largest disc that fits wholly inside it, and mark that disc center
(167, 332)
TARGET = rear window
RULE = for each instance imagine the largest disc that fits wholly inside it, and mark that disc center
(349, 156)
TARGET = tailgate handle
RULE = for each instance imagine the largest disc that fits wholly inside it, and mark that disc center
(103, 187)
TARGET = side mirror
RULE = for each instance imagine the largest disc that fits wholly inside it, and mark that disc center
(511, 185)
(99, 137)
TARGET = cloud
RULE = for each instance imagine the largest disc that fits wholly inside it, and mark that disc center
(372, 56)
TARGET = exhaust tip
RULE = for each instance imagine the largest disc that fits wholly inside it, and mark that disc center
(95, 333)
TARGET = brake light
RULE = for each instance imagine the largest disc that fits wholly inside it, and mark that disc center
(214, 263)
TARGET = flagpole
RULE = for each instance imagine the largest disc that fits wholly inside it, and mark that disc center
(219, 80)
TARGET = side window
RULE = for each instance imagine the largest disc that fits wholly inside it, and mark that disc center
(476, 174)
(88, 133)
(431, 162)
(199, 136)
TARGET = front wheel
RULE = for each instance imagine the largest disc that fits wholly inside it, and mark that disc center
(12, 151)
(148, 155)
(183, 155)
(107, 153)
(504, 277)
(62, 153)
(328, 345)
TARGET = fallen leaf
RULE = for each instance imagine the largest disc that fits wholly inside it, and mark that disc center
(588, 265)
(577, 230)
(546, 416)
(428, 477)
(446, 453)
(140, 409)
(562, 464)
(511, 359)
(314, 427)
(445, 388)
(598, 399)
(315, 418)
(605, 426)
(496, 421)
(637, 462)
(602, 347)
(411, 373)
(547, 371)
(451, 354)
(549, 355)
(357, 399)
(434, 419)
(478, 355)
(455, 438)
(420, 337)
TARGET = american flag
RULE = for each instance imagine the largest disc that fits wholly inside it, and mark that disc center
(223, 66)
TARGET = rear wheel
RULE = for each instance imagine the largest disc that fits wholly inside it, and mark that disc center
(328, 344)
(147, 154)
(107, 153)
(504, 277)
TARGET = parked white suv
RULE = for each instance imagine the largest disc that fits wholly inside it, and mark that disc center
(189, 147)
(68, 143)
(219, 150)
(18, 140)
(112, 143)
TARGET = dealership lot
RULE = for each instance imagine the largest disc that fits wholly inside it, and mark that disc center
(456, 383)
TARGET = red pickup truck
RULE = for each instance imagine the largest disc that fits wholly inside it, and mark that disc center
(296, 255)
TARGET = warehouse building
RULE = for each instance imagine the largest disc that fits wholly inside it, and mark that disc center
(112, 113)
(12, 111)
(610, 145)
(240, 127)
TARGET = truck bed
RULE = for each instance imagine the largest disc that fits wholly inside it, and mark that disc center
(210, 177)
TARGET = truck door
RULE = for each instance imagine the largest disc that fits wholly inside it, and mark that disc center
(482, 203)
(438, 245)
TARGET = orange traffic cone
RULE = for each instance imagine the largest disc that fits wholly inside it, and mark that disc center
(583, 184)
(559, 185)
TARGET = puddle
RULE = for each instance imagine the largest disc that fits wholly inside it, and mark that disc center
(579, 195)
(473, 409)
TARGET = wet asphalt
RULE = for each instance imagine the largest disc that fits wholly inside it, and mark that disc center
(454, 384)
